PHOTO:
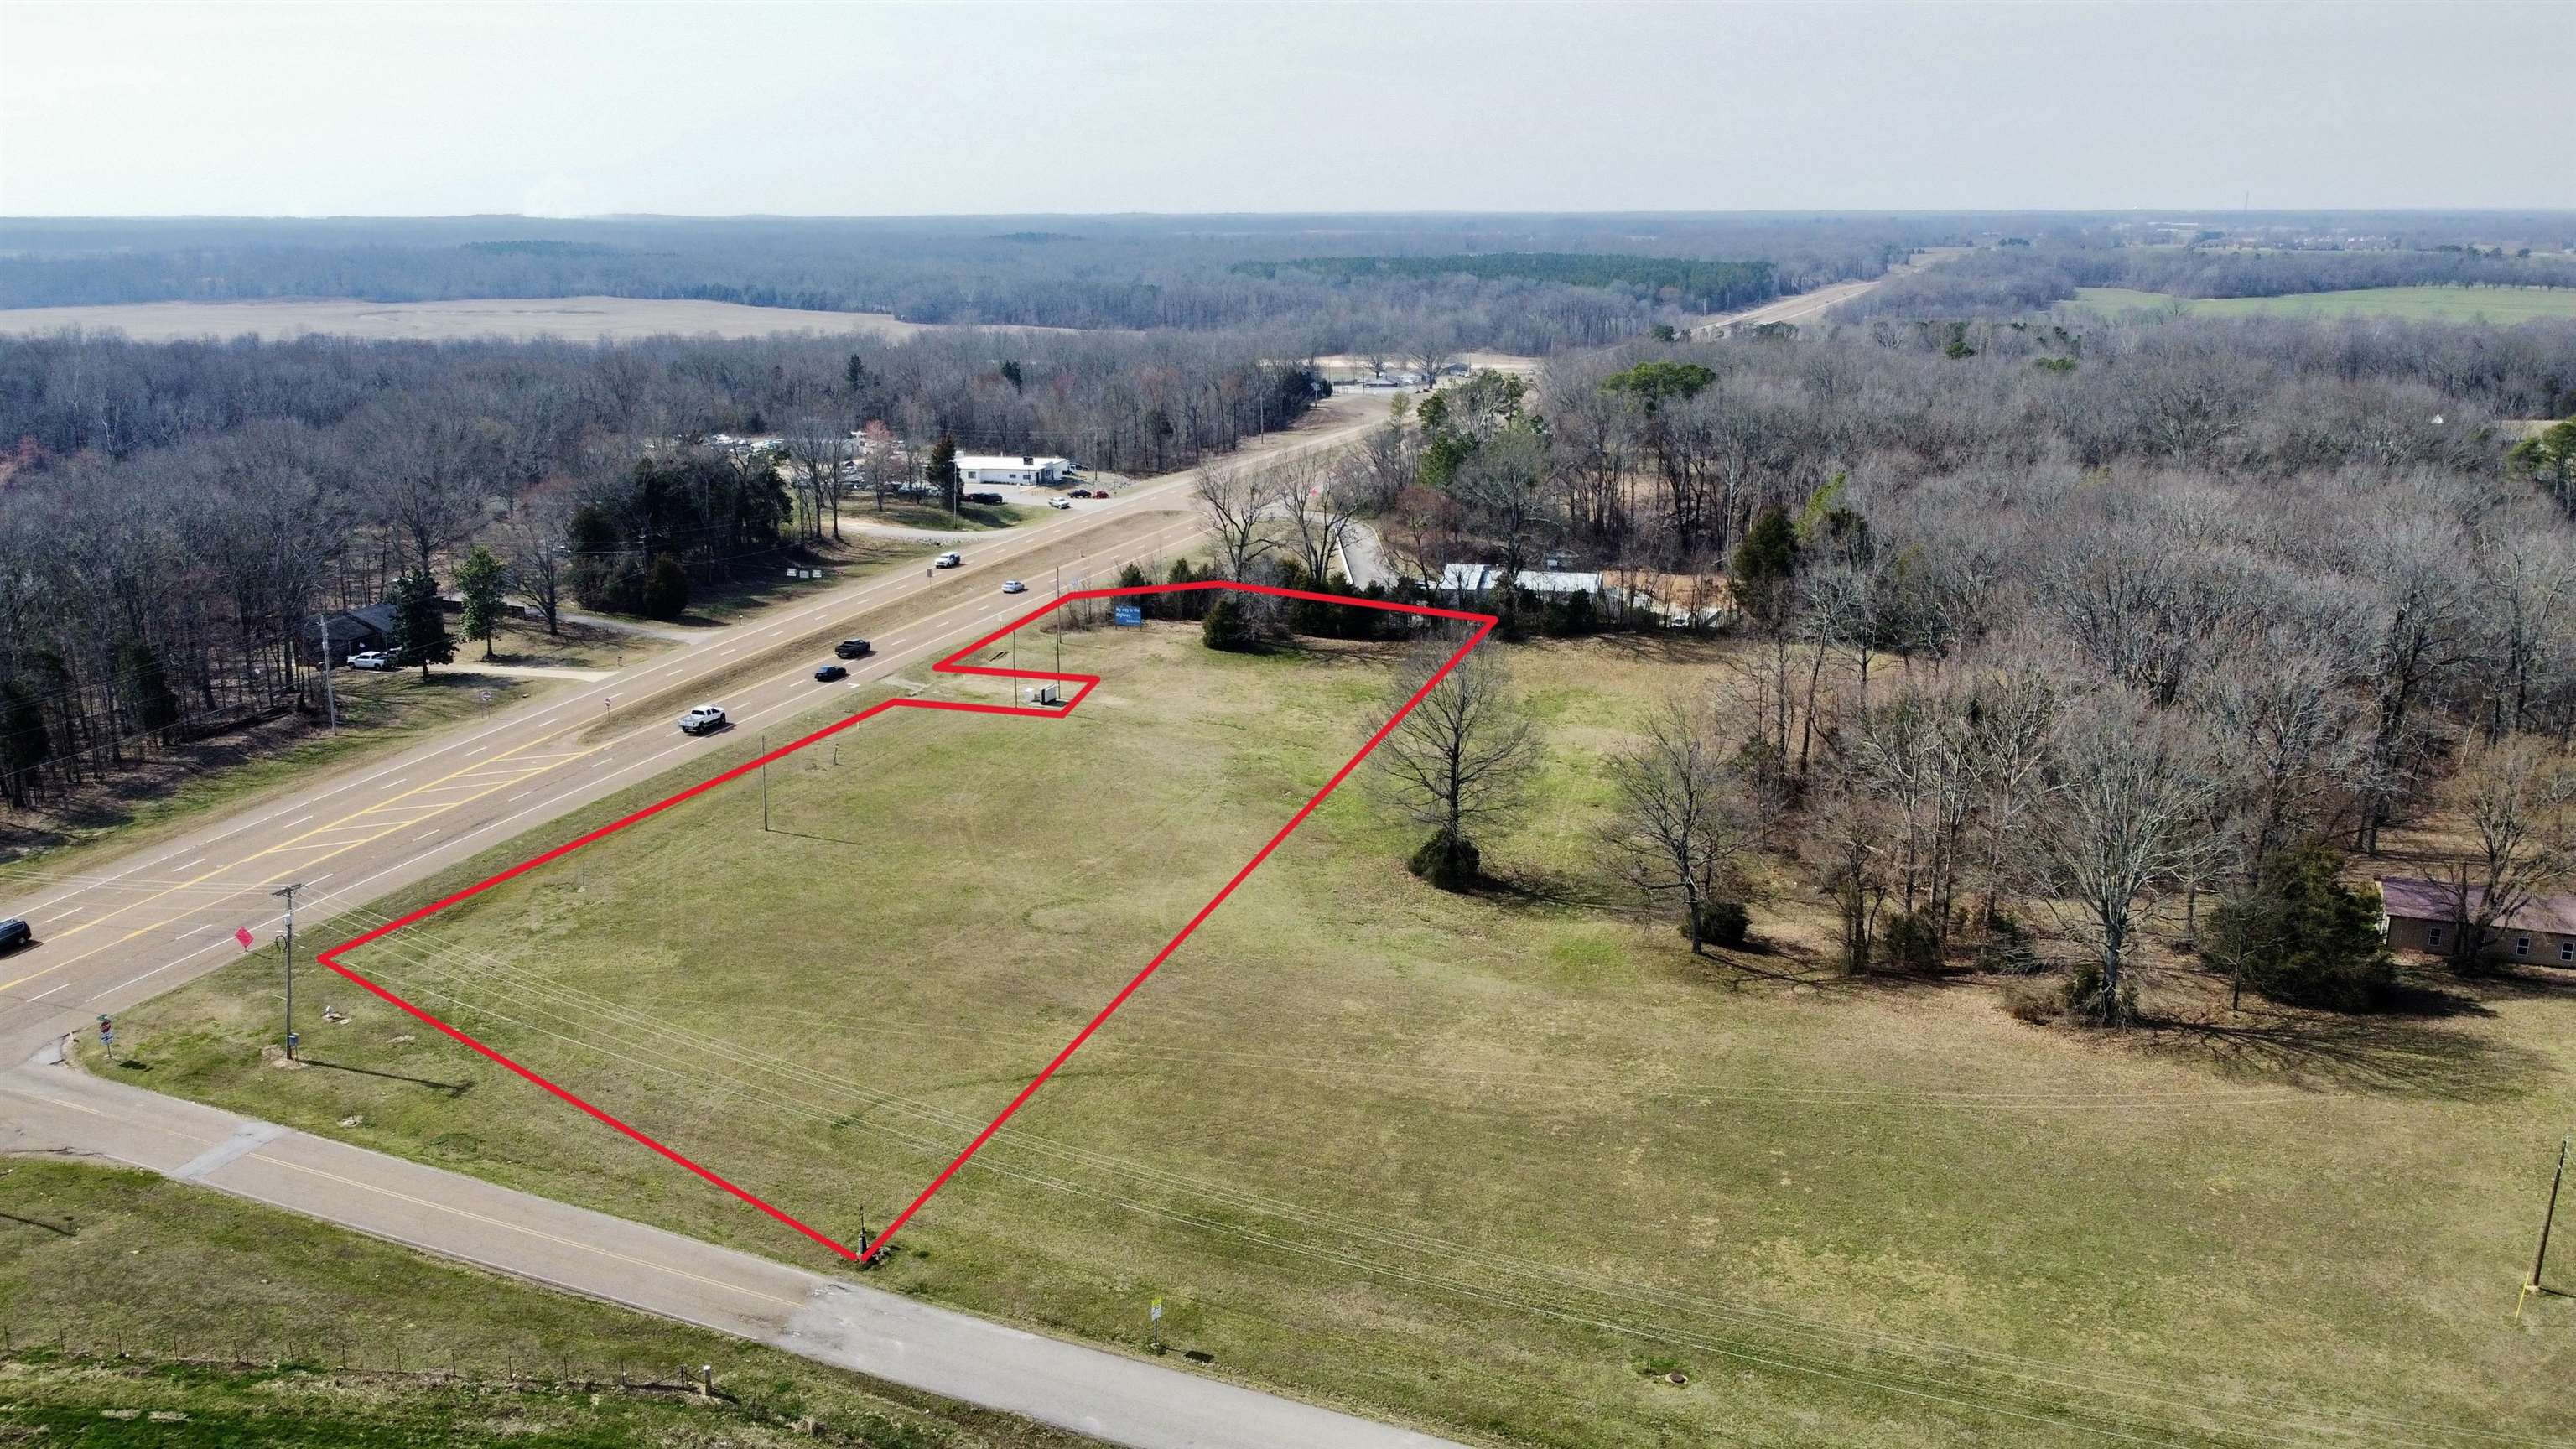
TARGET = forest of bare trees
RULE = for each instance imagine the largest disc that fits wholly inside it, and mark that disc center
(1185, 273)
(2090, 623)
(173, 517)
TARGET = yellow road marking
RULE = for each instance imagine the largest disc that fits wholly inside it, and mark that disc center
(376, 829)
(312, 839)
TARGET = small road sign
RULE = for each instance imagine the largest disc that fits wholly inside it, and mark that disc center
(1129, 615)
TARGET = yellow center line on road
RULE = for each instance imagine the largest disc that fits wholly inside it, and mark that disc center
(309, 840)
(374, 818)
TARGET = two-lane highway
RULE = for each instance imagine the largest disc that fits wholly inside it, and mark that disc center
(137, 927)
(129, 928)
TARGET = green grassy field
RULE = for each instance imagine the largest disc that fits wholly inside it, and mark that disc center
(1500, 1165)
(969, 518)
(2421, 304)
(141, 1311)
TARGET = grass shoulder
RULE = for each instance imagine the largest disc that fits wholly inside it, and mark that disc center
(145, 1311)
(969, 518)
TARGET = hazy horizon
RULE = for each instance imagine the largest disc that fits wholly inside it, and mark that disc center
(1255, 109)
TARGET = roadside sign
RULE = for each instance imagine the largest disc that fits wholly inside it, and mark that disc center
(242, 934)
(1158, 1310)
(1129, 615)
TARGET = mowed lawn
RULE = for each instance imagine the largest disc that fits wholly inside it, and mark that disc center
(142, 1311)
(1502, 1165)
(2421, 304)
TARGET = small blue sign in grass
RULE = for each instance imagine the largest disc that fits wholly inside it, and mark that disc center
(1130, 615)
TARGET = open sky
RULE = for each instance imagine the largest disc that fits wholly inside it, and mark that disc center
(404, 108)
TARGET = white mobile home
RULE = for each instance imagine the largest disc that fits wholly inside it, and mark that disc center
(1013, 468)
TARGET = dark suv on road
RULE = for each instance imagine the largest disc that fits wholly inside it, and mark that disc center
(16, 933)
(852, 648)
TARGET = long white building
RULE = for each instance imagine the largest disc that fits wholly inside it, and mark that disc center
(1020, 468)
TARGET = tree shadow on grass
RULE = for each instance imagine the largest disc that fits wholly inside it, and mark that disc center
(1658, 647)
(452, 1089)
(2381, 1054)
(1544, 890)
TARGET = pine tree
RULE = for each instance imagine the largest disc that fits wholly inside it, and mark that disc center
(24, 744)
(1228, 626)
(666, 588)
(481, 580)
(943, 469)
(420, 623)
(147, 689)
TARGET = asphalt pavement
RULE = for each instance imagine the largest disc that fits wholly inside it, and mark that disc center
(118, 931)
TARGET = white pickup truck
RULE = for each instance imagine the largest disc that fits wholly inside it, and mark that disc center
(702, 720)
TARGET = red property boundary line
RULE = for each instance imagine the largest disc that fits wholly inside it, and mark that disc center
(948, 665)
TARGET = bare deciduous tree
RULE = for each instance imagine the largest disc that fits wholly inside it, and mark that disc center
(1682, 830)
(1318, 506)
(537, 541)
(2128, 790)
(1460, 760)
(2517, 796)
(816, 449)
(1237, 500)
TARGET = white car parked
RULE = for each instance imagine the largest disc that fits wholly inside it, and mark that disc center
(371, 659)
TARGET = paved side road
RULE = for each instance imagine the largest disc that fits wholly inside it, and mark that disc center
(49, 1106)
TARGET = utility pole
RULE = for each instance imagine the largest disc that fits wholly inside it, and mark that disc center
(330, 699)
(2547, 1216)
(764, 783)
(289, 893)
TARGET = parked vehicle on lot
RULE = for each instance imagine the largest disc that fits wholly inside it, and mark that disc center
(703, 719)
(830, 672)
(1059, 503)
(853, 648)
(950, 560)
(15, 933)
(980, 497)
(1082, 493)
(371, 659)
(1014, 586)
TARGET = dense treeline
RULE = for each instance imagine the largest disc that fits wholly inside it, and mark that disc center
(1091, 272)
(2010, 280)
(173, 517)
(1700, 286)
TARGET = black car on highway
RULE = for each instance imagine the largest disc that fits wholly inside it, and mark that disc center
(830, 672)
(852, 648)
(15, 933)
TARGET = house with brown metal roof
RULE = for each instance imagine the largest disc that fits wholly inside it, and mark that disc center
(2430, 916)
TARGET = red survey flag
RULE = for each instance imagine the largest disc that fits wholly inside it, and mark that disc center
(242, 934)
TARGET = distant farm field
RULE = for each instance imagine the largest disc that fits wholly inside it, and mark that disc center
(1515, 1165)
(578, 319)
(2427, 304)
